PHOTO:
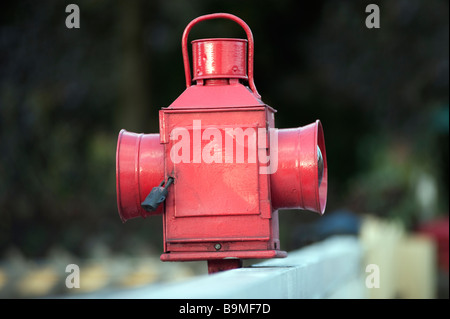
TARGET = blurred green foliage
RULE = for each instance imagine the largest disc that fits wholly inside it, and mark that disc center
(382, 95)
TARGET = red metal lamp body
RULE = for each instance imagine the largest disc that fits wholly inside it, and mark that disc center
(231, 169)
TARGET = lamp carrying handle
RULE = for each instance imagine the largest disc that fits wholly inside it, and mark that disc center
(184, 46)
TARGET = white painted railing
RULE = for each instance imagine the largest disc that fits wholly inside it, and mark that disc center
(328, 269)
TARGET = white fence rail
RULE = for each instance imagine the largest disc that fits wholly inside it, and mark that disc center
(328, 269)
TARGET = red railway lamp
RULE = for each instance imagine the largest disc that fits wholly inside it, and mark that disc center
(219, 170)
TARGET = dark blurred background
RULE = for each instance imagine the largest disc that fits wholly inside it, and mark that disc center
(381, 94)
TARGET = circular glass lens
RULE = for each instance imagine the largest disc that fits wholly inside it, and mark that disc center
(319, 165)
